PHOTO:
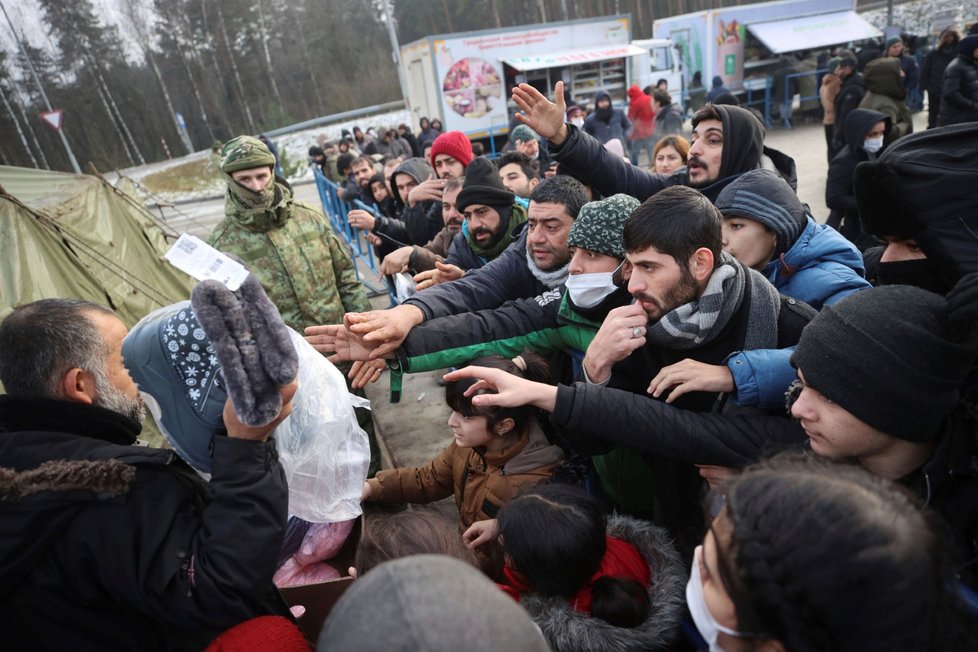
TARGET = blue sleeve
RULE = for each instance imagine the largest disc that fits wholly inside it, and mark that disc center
(761, 377)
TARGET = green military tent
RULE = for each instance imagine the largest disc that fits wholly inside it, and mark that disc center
(70, 235)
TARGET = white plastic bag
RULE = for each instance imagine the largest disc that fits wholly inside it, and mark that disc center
(404, 287)
(321, 446)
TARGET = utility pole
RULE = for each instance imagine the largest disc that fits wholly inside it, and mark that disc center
(395, 51)
(40, 89)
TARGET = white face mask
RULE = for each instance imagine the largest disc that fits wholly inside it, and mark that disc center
(588, 290)
(873, 145)
(707, 625)
(577, 122)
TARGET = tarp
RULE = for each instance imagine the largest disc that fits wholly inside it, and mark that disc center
(67, 235)
(573, 57)
(815, 31)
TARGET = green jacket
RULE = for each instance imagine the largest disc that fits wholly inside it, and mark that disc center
(303, 266)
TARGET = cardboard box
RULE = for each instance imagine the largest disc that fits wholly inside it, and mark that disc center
(319, 599)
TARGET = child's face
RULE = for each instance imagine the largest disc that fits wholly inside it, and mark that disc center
(379, 191)
(469, 432)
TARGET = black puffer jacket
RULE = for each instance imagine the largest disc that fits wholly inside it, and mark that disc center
(959, 98)
(743, 150)
(106, 545)
(932, 72)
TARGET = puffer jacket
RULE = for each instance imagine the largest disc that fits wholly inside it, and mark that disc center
(831, 85)
(607, 124)
(640, 113)
(107, 545)
(959, 97)
(571, 631)
(481, 482)
(885, 93)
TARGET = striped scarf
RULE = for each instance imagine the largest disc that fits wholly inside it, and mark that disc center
(702, 319)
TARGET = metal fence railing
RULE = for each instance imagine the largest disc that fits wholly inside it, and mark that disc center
(336, 210)
(789, 96)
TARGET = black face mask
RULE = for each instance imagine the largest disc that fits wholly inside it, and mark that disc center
(922, 273)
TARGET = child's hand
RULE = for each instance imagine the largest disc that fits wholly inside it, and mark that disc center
(481, 533)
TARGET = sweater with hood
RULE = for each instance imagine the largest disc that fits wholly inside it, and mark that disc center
(606, 124)
(840, 195)
(959, 95)
(885, 93)
(418, 224)
(850, 95)
(819, 267)
(743, 150)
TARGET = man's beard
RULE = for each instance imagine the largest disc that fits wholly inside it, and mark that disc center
(110, 398)
(683, 292)
(700, 166)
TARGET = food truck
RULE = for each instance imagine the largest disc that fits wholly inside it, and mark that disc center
(465, 79)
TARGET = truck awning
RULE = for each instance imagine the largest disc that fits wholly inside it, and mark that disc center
(815, 31)
(572, 57)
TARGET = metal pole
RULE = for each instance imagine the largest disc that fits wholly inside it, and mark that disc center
(40, 89)
(395, 50)
(889, 13)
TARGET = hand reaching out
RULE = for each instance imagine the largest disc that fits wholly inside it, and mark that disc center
(540, 114)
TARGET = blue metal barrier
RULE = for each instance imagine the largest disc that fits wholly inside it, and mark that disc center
(336, 210)
(759, 84)
(789, 96)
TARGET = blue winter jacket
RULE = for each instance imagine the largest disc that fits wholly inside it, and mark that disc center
(820, 267)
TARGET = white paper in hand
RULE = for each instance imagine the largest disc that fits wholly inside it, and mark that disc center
(195, 257)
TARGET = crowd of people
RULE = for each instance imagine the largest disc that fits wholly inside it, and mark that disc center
(685, 412)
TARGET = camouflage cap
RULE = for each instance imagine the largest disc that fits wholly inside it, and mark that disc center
(243, 153)
(600, 224)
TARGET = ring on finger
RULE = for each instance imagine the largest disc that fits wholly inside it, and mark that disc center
(638, 332)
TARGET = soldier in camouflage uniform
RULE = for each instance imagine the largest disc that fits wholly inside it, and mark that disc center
(290, 247)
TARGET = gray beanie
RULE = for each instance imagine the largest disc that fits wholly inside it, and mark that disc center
(600, 224)
(890, 357)
(428, 602)
(765, 197)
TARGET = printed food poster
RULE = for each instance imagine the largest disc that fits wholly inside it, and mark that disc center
(730, 52)
(472, 87)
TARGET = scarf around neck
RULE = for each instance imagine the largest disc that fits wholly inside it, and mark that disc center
(704, 318)
(497, 244)
(259, 212)
(621, 559)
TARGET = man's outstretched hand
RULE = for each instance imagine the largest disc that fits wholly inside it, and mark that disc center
(540, 114)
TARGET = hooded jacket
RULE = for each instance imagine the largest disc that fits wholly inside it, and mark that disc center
(850, 95)
(606, 124)
(717, 89)
(743, 150)
(568, 630)
(932, 72)
(840, 194)
(959, 94)
(301, 263)
(885, 93)
(418, 224)
(669, 121)
(107, 545)
(640, 113)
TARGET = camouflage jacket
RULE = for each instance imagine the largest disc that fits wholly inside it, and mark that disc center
(303, 266)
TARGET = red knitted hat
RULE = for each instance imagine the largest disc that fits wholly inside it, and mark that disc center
(455, 144)
(269, 633)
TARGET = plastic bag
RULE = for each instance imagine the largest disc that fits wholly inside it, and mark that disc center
(321, 446)
(292, 573)
(323, 541)
(404, 287)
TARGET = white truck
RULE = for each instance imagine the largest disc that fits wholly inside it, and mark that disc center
(466, 79)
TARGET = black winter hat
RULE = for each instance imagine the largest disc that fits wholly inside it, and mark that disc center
(765, 197)
(923, 187)
(890, 357)
(483, 186)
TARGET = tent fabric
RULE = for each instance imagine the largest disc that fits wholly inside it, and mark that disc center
(815, 31)
(67, 235)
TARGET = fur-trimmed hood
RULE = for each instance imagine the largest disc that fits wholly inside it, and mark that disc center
(568, 630)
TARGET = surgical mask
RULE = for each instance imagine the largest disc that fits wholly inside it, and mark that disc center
(588, 290)
(707, 625)
(873, 145)
(577, 122)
